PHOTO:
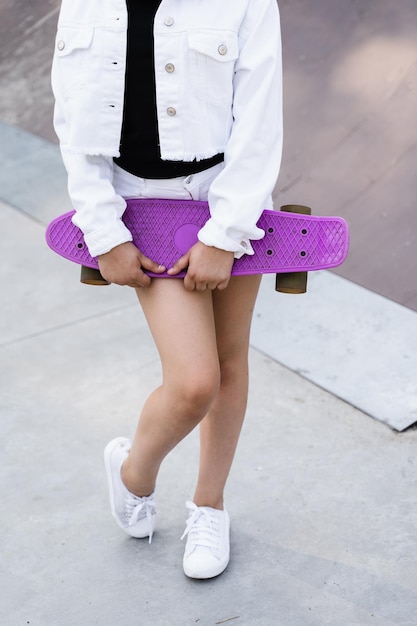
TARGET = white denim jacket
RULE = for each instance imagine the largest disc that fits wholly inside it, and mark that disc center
(224, 95)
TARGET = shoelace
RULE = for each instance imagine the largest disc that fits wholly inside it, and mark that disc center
(202, 527)
(136, 508)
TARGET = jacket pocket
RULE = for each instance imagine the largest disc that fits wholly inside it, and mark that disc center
(73, 59)
(212, 59)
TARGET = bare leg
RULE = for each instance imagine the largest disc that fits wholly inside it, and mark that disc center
(220, 429)
(182, 324)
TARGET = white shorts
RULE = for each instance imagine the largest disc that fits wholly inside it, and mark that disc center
(192, 187)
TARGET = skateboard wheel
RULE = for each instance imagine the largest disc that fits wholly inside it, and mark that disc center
(91, 276)
(292, 282)
(296, 208)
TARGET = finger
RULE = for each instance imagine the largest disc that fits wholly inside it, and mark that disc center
(204, 286)
(223, 285)
(151, 266)
(189, 283)
(140, 280)
(180, 265)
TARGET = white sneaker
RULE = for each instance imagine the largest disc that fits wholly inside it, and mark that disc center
(207, 551)
(136, 516)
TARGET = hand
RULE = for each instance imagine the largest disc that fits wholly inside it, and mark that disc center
(122, 266)
(208, 268)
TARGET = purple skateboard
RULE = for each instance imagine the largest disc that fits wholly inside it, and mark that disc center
(165, 229)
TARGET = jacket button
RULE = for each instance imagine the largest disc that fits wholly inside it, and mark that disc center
(169, 21)
(170, 67)
(222, 49)
(171, 111)
(61, 45)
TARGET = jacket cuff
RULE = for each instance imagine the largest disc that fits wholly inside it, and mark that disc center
(212, 235)
(103, 240)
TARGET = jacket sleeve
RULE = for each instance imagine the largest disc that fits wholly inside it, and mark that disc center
(253, 152)
(98, 207)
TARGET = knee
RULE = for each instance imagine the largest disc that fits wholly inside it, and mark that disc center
(196, 393)
(233, 367)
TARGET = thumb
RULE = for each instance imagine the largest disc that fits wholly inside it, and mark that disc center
(151, 266)
(180, 265)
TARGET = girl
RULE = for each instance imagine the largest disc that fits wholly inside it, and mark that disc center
(175, 99)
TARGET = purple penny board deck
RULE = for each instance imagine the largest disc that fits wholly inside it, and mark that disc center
(165, 229)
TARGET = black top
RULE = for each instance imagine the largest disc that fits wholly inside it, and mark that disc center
(139, 149)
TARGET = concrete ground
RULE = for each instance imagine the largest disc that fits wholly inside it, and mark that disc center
(322, 497)
(322, 494)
